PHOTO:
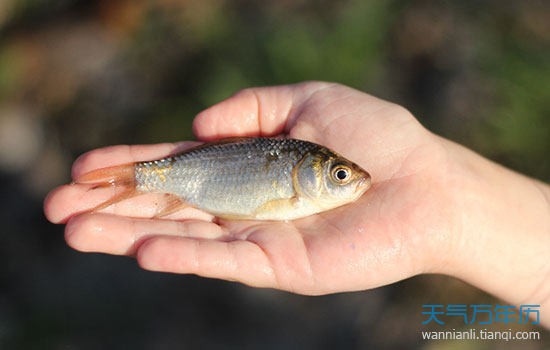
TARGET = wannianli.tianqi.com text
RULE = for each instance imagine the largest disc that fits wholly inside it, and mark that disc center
(480, 334)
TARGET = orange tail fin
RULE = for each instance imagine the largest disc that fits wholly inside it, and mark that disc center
(115, 175)
(122, 176)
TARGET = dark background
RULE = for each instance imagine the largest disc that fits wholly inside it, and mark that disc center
(76, 75)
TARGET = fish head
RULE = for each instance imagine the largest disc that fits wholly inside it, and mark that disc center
(329, 180)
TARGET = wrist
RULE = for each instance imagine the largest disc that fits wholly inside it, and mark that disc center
(503, 244)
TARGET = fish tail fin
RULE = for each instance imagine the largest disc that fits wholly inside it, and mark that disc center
(119, 176)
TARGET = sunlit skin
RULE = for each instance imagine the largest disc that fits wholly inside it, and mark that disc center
(434, 206)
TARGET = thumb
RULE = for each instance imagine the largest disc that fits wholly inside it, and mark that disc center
(260, 111)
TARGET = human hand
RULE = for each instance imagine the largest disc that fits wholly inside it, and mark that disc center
(413, 220)
(383, 237)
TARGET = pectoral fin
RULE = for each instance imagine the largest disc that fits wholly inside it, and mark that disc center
(277, 209)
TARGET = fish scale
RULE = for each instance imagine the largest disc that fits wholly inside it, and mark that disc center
(199, 176)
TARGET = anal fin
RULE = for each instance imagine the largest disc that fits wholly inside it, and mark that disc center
(173, 204)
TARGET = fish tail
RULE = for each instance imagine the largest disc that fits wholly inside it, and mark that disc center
(120, 176)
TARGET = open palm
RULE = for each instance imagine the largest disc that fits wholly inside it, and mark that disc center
(400, 227)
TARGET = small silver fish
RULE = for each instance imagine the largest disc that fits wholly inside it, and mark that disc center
(244, 178)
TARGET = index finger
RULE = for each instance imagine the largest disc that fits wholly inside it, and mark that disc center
(261, 111)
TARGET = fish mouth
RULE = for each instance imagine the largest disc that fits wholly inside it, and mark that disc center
(363, 184)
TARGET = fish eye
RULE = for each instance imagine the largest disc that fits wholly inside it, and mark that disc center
(341, 174)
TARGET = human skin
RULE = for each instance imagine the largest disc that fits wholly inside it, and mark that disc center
(434, 207)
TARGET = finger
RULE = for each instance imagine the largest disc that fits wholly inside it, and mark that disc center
(264, 111)
(121, 235)
(122, 154)
(238, 260)
(70, 200)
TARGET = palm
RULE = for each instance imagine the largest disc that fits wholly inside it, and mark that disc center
(383, 237)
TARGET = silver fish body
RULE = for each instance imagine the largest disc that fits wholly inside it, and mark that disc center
(256, 178)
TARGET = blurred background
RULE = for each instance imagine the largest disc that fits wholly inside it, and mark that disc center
(76, 75)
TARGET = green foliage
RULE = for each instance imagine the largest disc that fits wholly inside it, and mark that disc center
(9, 72)
(516, 129)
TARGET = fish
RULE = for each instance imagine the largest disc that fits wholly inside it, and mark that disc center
(246, 178)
